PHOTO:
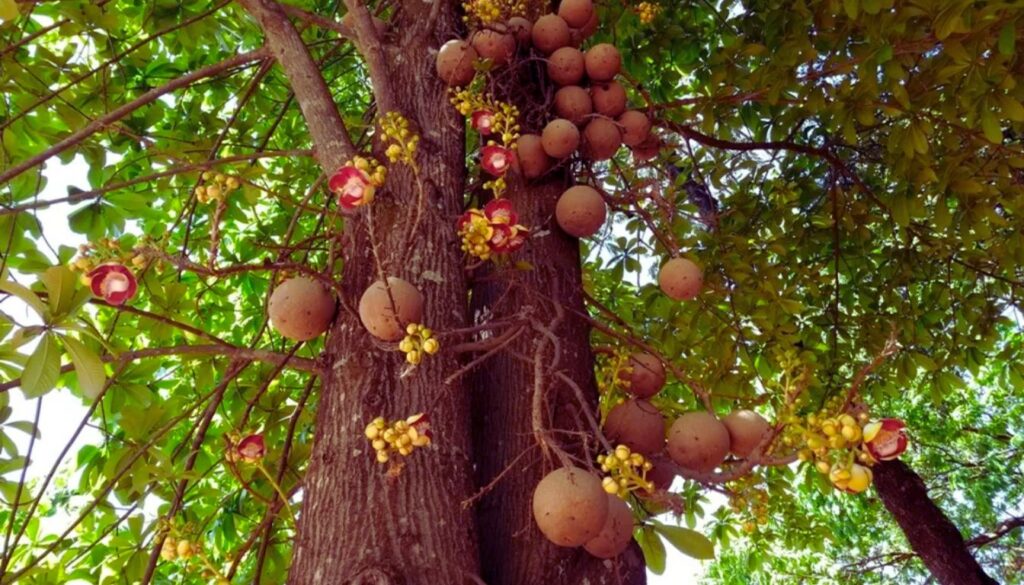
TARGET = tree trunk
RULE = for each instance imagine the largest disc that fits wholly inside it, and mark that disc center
(513, 551)
(931, 534)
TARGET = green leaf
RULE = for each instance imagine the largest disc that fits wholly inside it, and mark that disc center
(91, 375)
(1007, 39)
(652, 547)
(990, 126)
(26, 295)
(689, 542)
(42, 368)
(60, 283)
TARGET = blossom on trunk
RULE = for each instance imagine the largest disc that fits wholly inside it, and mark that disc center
(492, 230)
(352, 186)
(885, 439)
(114, 283)
(496, 159)
(483, 121)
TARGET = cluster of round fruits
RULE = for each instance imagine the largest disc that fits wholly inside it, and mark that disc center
(572, 508)
(627, 472)
(843, 446)
(218, 187)
(399, 437)
(418, 340)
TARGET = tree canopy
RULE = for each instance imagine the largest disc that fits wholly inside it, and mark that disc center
(848, 175)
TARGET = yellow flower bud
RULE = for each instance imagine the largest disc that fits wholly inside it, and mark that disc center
(382, 456)
(431, 346)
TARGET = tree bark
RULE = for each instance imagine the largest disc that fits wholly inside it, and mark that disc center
(931, 534)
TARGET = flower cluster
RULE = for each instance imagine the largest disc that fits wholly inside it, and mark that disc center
(418, 340)
(484, 12)
(613, 378)
(498, 124)
(400, 437)
(844, 446)
(356, 183)
(401, 141)
(174, 548)
(627, 471)
(493, 230)
(748, 498)
(218, 187)
(648, 11)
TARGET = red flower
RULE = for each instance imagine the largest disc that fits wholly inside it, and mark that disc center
(496, 159)
(501, 211)
(507, 238)
(483, 121)
(113, 282)
(885, 439)
(352, 186)
(251, 448)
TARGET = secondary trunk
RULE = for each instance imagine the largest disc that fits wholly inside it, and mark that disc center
(931, 534)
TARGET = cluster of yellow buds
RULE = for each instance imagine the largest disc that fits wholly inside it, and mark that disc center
(105, 251)
(483, 12)
(399, 437)
(402, 142)
(174, 548)
(747, 498)
(613, 379)
(217, 188)
(627, 471)
(648, 11)
(418, 340)
(501, 121)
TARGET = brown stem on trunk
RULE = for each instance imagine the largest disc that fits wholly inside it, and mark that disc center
(931, 534)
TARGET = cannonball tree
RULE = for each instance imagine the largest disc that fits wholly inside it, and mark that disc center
(512, 291)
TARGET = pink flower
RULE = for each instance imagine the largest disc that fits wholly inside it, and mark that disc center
(251, 448)
(352, 187)
(114, 283)
(507, 238)
(483, 121)
(500, 211)
(885, 439)
(496, 159)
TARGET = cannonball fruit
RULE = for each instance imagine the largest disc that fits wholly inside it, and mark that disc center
(647, 150)
(530, 156)
(636, 127)
(609, 98)
(570, 506)
(603, 62)
(680, 279)
(493, 45)
(300, 308)
(576, 13)
(616, 533)
(455, 62)
(385, 320)
(601, 139)
(521, 28)
(550, 33)
(647, 377)
(572, 102)
(560, 138)
(580, 211)
(746, 428)
(636, 424)
(590, 27)
(565, 66)
(698, 441)
(662, 473)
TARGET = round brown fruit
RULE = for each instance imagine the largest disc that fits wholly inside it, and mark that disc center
(603, 62)
(580, 211)
(648, 149)
(590, 27)
(698, 441)
(496, 46)
(636, 127)
(576, 13)
(746, 428)
(572, 102)
(455, 62)
(550, 33)
(662, 473)
(530, 156)
(616, 533)
(647, 377)
(636, 424)
(601, 139)
(570, 506)
(521, 29)
(300, 308)
(680, 279)
(385, 320)
(565, 66)
(560, 138)
(609, 98)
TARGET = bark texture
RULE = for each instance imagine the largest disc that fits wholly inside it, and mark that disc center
(931, 534)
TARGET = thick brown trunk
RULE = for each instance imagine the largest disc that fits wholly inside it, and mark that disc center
(931, 534)
(512, 549)
(358, 525)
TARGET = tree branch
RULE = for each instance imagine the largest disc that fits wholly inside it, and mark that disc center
(373, 51)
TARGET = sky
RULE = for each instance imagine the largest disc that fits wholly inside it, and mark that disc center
(62, 411)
